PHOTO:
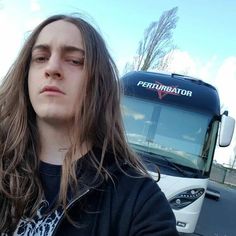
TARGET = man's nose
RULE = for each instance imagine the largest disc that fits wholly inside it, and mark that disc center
(53, 69)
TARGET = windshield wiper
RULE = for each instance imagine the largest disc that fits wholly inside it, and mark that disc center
(173, 165)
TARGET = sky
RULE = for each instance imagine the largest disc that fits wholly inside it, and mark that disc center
(205, 36)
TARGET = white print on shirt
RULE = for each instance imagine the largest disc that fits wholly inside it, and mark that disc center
(40, 225)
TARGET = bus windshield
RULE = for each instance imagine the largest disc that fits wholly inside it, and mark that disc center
(181, 135)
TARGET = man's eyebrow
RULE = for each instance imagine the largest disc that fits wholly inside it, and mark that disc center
(43, 47)
(64, 48)
(68, 48)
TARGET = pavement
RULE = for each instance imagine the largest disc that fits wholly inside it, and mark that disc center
(218, 216)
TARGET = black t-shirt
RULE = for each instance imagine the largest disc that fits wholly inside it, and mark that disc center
(50, 176)
(44, 224)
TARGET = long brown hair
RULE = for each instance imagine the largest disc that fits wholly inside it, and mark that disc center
(99, 121)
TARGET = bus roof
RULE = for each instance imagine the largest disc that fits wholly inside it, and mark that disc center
(173, 89)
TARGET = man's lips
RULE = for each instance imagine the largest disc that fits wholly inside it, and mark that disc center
(52, 89)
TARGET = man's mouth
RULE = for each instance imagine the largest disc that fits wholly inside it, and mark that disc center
(52, 89)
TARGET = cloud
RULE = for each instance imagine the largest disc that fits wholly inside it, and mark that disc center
(226, 83)
(181, 62)
(34, 5)
(11, 35)
(221, 74)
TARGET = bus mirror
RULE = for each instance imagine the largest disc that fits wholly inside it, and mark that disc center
(226, 130)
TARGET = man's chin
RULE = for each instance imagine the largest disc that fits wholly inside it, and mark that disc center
(54, 119)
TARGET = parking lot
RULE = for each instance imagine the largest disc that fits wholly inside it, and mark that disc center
(218, 218)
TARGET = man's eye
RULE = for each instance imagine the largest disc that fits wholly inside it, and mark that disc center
(76, 62)
(40, 59)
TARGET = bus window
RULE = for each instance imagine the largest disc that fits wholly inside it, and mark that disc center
(170, 131)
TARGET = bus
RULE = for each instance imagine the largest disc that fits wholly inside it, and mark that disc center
(173, 122)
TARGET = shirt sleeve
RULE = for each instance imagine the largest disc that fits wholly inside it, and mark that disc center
(152, 213)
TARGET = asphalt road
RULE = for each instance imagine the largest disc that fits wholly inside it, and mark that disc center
(218, 218)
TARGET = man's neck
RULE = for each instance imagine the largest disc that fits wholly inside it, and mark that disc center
(55, 142)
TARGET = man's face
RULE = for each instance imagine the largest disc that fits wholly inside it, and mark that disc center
(57, 73)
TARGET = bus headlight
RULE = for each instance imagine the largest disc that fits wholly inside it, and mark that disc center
(185, 198)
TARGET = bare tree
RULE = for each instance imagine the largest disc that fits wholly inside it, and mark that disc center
(157, 42)
(163, 64)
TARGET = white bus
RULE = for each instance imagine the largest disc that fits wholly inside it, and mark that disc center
(173, 123)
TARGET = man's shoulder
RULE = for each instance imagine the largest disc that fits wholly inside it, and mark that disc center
(131, 180)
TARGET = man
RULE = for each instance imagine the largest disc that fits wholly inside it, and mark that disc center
(66, 168)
